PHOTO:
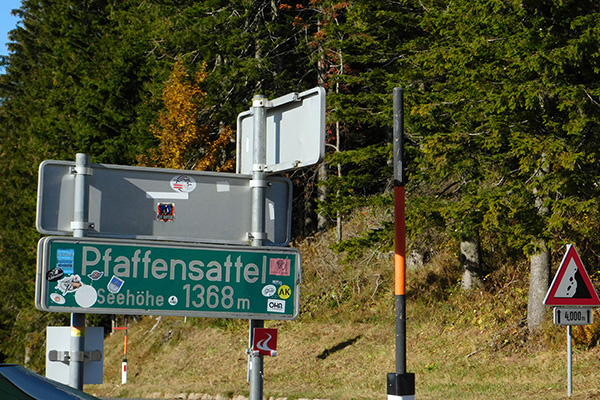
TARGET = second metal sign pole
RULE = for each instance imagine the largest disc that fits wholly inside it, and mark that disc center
(569, 361)
(258, 234)
(79, 226)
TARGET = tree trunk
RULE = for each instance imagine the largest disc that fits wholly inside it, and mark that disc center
(307, 217)
(339, 171)
(323, 172)
(539, 268)
(539, 280)
(470, 261)
(322, 194)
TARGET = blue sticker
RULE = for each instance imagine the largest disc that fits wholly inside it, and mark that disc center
(95, 275)
(65, 260)
(115, 284)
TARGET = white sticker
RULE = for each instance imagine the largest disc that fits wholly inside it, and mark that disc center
(277, 306)
(269, 290)
(271, 211)
(183, 184)
(173, 300)
(167, 196)
(69, 284)
(222, 186)
(86, 296)
(57, 298)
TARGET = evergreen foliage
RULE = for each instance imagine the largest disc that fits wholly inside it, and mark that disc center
(505, 118)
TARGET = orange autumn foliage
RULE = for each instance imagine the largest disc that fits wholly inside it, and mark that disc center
(185, 141)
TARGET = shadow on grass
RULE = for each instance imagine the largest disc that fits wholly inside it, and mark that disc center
(327, 352)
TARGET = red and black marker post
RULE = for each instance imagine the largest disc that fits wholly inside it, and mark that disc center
(400, 385)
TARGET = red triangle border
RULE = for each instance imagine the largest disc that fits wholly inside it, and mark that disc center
(552, 300)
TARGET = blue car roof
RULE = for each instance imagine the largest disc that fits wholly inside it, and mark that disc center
(39, 387)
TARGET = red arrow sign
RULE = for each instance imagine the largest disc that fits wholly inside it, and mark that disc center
(264, 341)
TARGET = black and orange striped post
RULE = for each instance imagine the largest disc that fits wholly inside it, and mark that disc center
(400, 385)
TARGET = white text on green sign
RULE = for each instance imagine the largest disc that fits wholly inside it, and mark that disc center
(103, 276)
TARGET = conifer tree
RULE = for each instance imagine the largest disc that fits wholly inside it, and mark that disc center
(508, 113)
(74, 82)
(361, 45)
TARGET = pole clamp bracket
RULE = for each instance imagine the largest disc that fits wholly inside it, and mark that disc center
(82, 225)
(82, 170)
(260, 168)
(66, 357)
(59, 355)
(256, 353)
(258, 183)
(257, 235)
(261, 102)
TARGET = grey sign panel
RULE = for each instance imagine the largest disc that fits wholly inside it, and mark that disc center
(58, 340)
(122, 276)
(162, 204)
(295, 132)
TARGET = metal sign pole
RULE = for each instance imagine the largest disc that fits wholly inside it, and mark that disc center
(569, 361)
(79, 225)
(258, 234)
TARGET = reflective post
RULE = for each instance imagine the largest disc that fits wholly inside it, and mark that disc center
(124, 373)
(400, 385)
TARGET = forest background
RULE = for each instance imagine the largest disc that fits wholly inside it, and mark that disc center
(502, 121)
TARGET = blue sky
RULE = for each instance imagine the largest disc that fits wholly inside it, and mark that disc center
(7, 22)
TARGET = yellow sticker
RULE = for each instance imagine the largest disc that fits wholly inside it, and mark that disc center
(78, 331)
(284, 292)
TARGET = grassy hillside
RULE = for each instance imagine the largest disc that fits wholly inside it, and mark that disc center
(460, 345)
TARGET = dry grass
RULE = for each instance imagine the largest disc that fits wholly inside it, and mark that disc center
(460, 346)
(451, 360)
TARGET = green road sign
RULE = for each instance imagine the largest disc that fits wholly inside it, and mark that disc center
(105, 276)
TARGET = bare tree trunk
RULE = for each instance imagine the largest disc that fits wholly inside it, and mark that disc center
(308, 222)
(305, 214)
(322, 194)
(470, 261)
(539, 268)
(323, 172)
(28, 352)
(539, 279)
(339, 171)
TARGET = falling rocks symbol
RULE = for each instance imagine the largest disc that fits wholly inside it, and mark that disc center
(573, 286)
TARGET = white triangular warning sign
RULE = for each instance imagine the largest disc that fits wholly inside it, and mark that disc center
(572, 285)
